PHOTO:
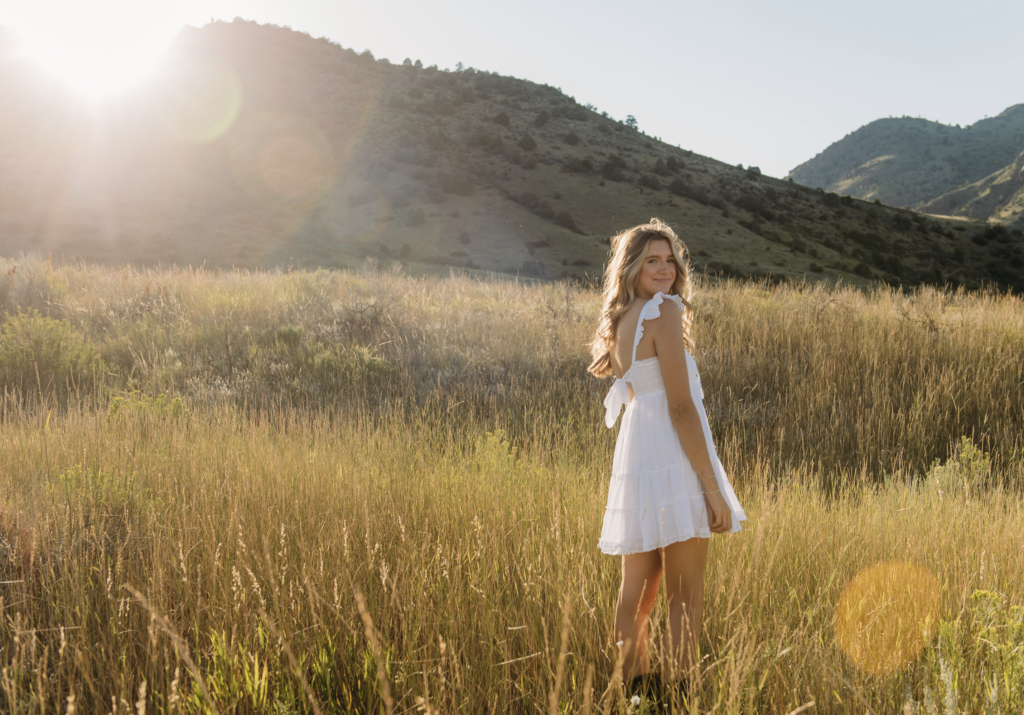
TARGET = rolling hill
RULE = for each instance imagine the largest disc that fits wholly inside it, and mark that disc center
(914, 162)
(998, 197)
(263, 147)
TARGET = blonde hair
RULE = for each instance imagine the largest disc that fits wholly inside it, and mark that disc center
(629, 249)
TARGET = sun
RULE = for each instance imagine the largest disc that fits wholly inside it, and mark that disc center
(96, 55)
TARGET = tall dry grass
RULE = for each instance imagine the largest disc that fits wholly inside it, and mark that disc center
(414, 526)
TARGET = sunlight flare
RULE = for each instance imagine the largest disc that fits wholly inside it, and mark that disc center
(887, 614)
(95, 53)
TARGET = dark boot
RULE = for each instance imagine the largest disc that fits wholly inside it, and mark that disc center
(679, 689)
(647, 686)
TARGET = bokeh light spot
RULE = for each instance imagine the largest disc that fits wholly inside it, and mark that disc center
(284, 161)
(206, 103)
(886, 615)
(291, 167)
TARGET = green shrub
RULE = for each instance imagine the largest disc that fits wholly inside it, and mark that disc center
(754, 227)
(579, 166)
(672, 164)
(683, 188)
(755, 206)
(527, 143)
(415, 217)
(502, 119)
(137, 405)
(868, 240)
(572, 139)
(536, 204)
(613, 169)
(290, 335)
(533, 268)
(565, 220)
(862, 269)
(488, 142)
(44, 356)
(574, 112)
(650, 181)
(541, 119)
(901, 221)
(966, 472)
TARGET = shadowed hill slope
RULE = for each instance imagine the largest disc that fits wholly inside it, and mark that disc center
(998, 197)
(909, 161)
(259, 146)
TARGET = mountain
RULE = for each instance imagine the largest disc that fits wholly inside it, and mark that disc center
(911, 162)
(998, 197)
(262, 147)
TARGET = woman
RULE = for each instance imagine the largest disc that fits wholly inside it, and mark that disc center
(668, 490)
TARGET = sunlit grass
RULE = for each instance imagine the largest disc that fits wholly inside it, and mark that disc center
(453, 483)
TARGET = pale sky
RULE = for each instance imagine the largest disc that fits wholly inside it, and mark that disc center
(768, 84)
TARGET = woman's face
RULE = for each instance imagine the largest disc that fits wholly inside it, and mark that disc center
(658, 272)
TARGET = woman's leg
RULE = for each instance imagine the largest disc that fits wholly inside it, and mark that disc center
(684, 590)
(640, 576)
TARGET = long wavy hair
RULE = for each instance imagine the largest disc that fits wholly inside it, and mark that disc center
(629, 249)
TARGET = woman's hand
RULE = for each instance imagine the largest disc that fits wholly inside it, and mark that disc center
(719, 514)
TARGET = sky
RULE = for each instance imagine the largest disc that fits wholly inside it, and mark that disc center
(746, 81)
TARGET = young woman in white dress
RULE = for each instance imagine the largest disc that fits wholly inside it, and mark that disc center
(668, 491)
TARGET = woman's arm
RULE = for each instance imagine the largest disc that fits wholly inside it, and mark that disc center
(671, 350)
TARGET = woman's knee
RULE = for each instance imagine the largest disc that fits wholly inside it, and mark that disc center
(641, 575)
(684, 570)
(640, 588)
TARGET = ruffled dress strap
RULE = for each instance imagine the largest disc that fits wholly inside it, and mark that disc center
(618, 395)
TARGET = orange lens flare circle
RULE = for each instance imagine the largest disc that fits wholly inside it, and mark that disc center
(206, 101)
(886, 615)
(291, 167)
(284, 161)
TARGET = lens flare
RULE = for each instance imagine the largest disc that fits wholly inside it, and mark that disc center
(205, 103)
(886, 615)
(359, 215)
(284, 161)
(292, 167)
(96, 51)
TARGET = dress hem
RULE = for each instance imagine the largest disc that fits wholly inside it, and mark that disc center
(616, 549)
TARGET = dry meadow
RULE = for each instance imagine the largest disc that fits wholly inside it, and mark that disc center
(364, 492)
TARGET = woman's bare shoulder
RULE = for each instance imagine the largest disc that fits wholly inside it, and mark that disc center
(669, 313)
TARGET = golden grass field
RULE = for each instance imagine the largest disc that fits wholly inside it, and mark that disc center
(365, 492)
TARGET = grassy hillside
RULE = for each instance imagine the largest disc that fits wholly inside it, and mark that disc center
(324, 492)
(908, 162)
(263, 147)
(998, 197)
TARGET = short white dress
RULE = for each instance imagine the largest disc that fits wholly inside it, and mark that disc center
(655, 497)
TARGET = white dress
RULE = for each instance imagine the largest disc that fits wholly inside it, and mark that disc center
(655, 498)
